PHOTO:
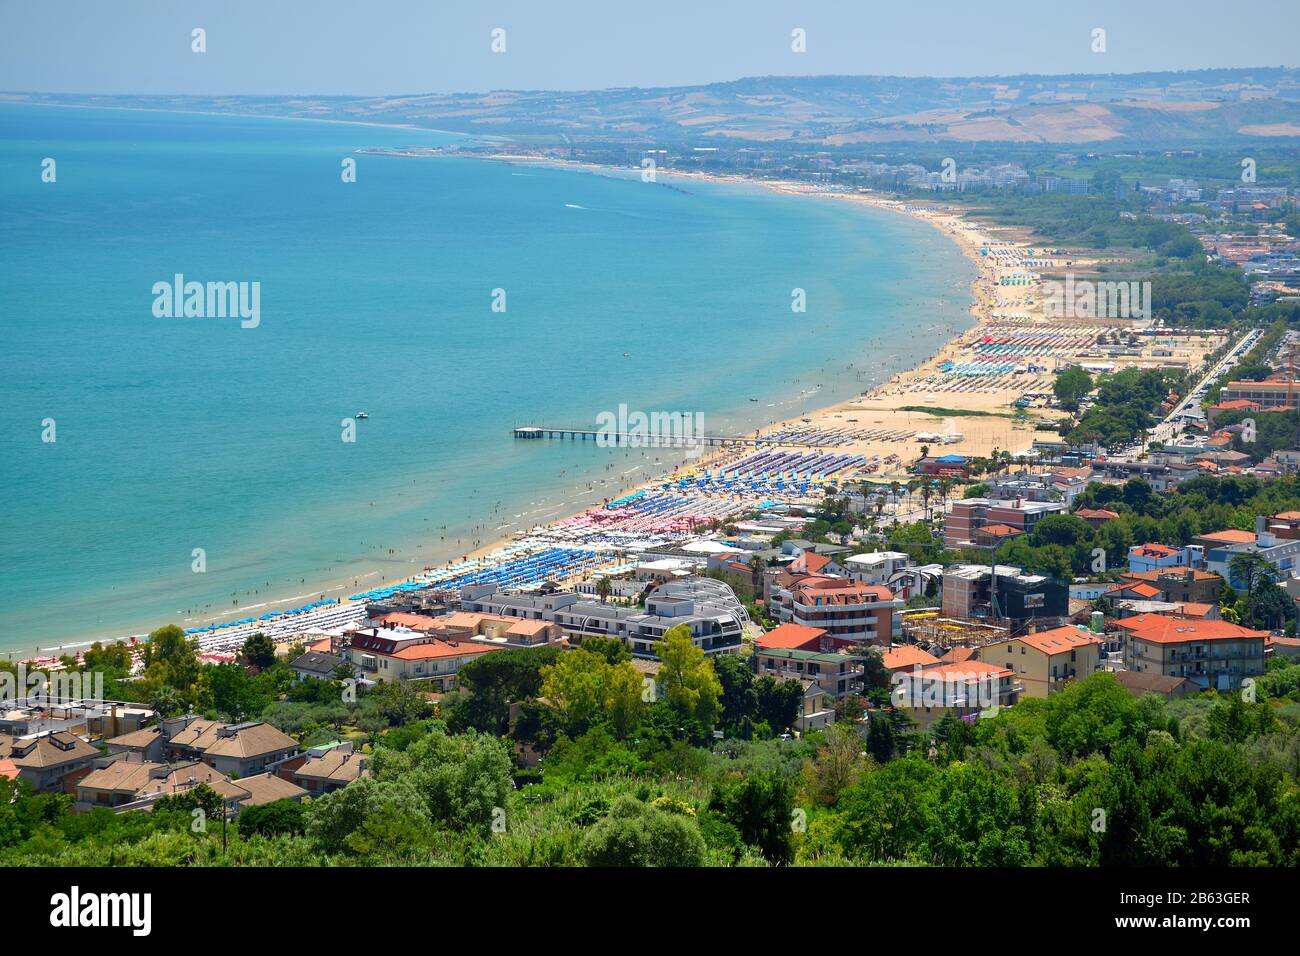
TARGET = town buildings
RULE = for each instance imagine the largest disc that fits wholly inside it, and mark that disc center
(964, 689)
(1214, 655)
(707, 607)
(966, 518)
(1045, 661)
(849, 611)
(1005, 593)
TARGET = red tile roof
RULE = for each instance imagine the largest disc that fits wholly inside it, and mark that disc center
(1058, 640)
(791, 636)
(908, 656)
(1161, 629)
(999, 530)
(1153, 550)
(1099, 513)
(1231, 536)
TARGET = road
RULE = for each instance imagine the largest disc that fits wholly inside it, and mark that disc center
(1191, 405)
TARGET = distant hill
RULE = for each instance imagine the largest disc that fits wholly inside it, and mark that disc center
(1202, 107)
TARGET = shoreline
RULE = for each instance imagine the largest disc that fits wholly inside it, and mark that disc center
(950, 224)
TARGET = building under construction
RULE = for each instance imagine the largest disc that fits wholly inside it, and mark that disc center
(930, 628)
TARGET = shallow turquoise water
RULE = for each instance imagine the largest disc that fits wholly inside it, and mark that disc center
(182, 433)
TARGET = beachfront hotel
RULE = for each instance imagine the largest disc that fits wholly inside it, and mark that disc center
(715, 616)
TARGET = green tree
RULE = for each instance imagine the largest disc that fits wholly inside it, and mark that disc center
(761, 808)
(687, 678)
(259, 651)
(1070, 387)
(736, 677)
(584, 688)
(777, 702)
(371, 818)
(277, 818)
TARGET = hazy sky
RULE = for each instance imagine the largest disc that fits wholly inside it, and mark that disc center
(398, 46)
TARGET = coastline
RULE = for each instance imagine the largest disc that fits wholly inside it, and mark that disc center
(951, 224)
(340, 586)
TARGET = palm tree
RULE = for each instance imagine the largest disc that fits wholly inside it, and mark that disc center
(926, 491)
(604, 587)
(945, 488)
(756, 575)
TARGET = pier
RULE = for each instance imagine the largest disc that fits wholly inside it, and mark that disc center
(628, 438)
(642, 440)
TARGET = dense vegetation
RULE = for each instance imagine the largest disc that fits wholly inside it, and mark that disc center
(1089, 776)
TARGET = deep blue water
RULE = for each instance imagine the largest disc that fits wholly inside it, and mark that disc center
(183, 433)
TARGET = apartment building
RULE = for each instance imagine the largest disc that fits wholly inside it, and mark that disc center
(1154, 556)
(849, 611)
(434, 657)
(51, 762)
(1214, 655)
(1179, 585)
(242, 749)
(964, 690)
(1274, 393)
(966, 518)
(1222, 546)
(708, 608)
(1046, 661)
(838, 675)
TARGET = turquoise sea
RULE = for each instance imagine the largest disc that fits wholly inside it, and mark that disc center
(174, 434)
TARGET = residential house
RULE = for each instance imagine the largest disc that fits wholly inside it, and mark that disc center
(127, 780)
(327, 769)
(797, 637)
(1044, 662)
(816, 710)
(1096, 517)
(1180, 584)
(906, 657)
(1222, 546)
(52, 762)
(146, 744)
(1140, 683)
(318, 666)
(257, 790)
(398, 654)
(1153, 556)
(248, 748)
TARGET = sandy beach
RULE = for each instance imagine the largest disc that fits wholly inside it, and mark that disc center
(959, 400)
(920, 400)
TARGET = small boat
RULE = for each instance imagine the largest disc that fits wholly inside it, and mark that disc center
(362, 415)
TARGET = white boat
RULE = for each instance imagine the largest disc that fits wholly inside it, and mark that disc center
(362, 415)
